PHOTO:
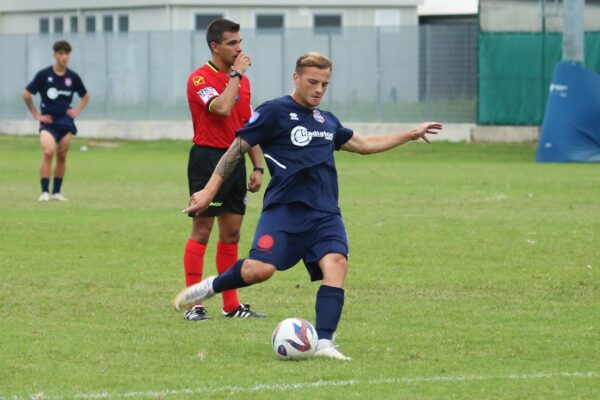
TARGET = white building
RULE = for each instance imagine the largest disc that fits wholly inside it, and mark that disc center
(58, 16)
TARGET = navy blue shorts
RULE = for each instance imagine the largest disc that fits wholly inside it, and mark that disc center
(288, 233)
(60, 127)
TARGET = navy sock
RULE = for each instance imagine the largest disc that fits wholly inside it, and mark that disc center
(328, 307)
(45, 183)
(56, 185)
(230, 279)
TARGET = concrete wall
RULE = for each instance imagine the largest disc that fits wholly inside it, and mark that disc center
(153, 130)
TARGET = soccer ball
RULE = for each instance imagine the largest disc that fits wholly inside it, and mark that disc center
(294, 339)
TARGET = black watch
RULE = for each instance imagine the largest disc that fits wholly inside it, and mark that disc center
(233, 73)
(259, 169)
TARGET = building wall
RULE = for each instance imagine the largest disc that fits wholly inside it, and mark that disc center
(181, 17)
(525, 16)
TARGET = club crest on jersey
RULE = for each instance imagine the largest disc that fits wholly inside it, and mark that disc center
(50, 79)
(68, 81)
(318, 117)
(294, 116)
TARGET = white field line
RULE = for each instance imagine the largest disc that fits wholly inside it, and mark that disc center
(305, 385)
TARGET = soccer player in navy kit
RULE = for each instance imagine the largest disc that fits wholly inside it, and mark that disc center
(301, 219)
(56, 85)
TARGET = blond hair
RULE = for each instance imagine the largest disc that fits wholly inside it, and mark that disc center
(313, 59)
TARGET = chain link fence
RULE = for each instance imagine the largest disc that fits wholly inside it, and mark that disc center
(404, 74)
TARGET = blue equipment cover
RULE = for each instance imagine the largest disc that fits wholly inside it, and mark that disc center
(571, 128)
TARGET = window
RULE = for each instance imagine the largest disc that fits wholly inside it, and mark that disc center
(269, 22)
(74, 24)
(90, 23)
(44, 25)
(58, 24)
(107, 23)
(324, 23)
(202, 20)
(123, 23)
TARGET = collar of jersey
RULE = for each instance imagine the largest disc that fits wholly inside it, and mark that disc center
(213, 66)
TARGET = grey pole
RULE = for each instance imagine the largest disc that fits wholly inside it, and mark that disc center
(573, 36)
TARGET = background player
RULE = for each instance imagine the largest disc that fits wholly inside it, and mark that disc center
(56, 85)
(301, 219)
(219, 98)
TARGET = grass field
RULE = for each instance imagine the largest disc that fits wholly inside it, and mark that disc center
(474, 274)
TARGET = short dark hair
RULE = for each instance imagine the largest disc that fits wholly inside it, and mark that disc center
(62, 45)
(215, 30)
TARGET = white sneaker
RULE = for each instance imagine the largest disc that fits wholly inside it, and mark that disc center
(326, 348)
(45, 196)
(59, 197)
(194, 294)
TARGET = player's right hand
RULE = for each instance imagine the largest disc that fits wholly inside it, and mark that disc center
(199, 202)
(242, 62)
(45, 118)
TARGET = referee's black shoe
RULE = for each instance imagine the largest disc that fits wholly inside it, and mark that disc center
(243, 311)
(196, 313)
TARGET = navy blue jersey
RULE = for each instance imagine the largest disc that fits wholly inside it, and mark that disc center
(298, 144)
(56, 90)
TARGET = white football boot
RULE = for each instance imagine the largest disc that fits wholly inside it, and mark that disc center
(326, 348)
(45, 196)
(194, 294)
(59, 197)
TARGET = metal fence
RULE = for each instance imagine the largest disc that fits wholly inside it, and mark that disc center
(380, 75)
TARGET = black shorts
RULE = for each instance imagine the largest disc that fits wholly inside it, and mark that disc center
(232, 195)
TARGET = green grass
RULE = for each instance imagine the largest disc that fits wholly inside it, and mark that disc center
(466, 261)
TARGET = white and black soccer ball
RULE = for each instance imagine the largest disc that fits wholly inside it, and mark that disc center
(294, 339)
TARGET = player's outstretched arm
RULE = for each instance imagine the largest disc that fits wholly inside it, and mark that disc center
(378, 143)
(201, 199)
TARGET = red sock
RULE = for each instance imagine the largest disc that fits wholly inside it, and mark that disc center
(227, 255)
(193, 261)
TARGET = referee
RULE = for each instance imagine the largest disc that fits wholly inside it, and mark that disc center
(219, 98)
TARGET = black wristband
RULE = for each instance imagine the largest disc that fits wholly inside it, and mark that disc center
(259, 169)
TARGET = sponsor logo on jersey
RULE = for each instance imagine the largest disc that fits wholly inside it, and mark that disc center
(207, 93)
(68, 81)
(50, 79)
(198, 80)
(53, 93)
(318, 117)
(294, 116)
(301, 136)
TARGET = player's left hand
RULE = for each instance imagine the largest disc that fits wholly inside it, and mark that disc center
(72, 113)
(255, 181)
(199, 202)
(426, 127)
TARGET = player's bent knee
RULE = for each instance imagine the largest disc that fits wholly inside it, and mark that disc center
(254, 271)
